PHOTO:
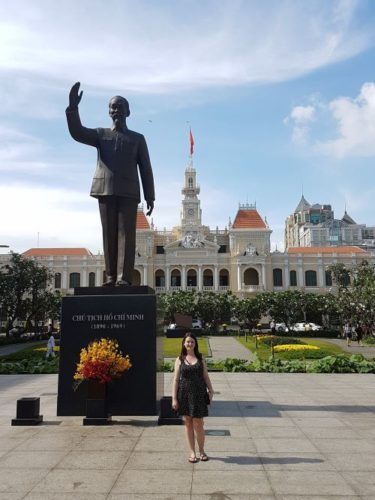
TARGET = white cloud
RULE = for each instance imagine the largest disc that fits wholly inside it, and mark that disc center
(61, 217)
(355, 120)
(302, 114)
(139, 46)
(18, 151)
(359, 201)
(300, 117)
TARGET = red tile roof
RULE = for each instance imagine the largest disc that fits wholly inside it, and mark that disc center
(248, 219)
(325, 250)
(40, 252)
(142, 222)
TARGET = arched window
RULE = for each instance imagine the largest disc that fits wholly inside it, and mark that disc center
(223, 277)
(191, 277)
(74, 280)
(208, 278)
(293, 278)
(310, 278)
(277, 277)
(346, 278)
(190, 182)
(328, 278)
(136, 278)
(251, 277)
(58, 280)
(159, 278)
(91, 279)
(175, 278)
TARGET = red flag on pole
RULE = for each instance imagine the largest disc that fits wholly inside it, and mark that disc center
(191, 140)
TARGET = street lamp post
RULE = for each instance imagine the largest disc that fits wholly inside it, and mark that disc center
(1, 323)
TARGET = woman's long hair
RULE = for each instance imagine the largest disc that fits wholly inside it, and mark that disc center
(183, 353)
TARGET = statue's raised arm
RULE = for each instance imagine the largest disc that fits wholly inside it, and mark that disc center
(75, 96)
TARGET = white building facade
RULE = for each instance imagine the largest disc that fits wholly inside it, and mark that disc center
(191, 256)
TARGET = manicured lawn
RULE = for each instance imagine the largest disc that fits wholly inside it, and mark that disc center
(172, 347)
(263, 351)
(29, 352)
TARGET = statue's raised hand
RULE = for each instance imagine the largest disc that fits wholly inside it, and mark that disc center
(75, 95)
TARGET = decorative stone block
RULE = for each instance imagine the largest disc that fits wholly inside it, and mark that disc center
(168, 416)
(28, 412)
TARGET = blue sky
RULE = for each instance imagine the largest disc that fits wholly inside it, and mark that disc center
(280, 96)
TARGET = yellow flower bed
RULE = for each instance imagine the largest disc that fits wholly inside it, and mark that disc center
(44, 349)
(295, 347)
(265, 337)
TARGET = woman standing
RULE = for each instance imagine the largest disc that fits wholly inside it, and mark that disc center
(189, 392)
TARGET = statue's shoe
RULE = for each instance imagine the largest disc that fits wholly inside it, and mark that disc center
(123, 283)
(109, 282)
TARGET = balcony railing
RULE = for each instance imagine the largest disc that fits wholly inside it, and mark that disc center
(252, 288)
(163, 289)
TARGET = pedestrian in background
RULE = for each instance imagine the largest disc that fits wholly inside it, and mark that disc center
(359, 332)
(348, 333)
(50, 347)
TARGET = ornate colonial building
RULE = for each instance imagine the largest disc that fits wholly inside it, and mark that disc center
(191, 256)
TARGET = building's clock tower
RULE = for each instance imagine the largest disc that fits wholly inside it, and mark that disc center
(191, 214)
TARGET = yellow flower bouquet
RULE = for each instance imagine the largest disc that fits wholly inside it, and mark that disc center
(101, 360)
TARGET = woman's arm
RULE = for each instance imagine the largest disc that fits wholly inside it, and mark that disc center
(207, 380)
(175, 383)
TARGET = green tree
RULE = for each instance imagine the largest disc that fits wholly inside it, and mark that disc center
(249, 310)
(178, 302)
(288, 306)
(355, 295)
(24, 293)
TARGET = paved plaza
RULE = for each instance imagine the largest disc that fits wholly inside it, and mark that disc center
(288, 436)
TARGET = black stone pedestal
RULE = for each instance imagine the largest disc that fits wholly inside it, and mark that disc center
(28, 412)
(127, 314)
(97, 413)
(167, 414)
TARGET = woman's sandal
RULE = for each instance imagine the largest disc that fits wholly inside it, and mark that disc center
(203, 457)
(193, 460)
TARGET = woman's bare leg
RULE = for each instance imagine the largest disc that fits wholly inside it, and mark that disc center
(199, 433)
(189, 432)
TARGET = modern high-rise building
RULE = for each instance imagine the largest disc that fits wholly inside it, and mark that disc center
(315, 226)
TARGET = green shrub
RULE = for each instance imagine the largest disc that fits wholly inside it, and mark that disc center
(30, 366)
(342, 364)
(235, 365)
(313, 354)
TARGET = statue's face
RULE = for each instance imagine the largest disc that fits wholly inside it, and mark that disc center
(118, 110)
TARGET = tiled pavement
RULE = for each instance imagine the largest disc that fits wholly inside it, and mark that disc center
(291, 436)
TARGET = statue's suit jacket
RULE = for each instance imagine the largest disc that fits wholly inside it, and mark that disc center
(119, 155)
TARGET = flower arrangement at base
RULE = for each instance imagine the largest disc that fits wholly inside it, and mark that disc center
(101, 360)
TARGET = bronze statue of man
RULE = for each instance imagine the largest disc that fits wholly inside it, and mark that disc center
(121, 152)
